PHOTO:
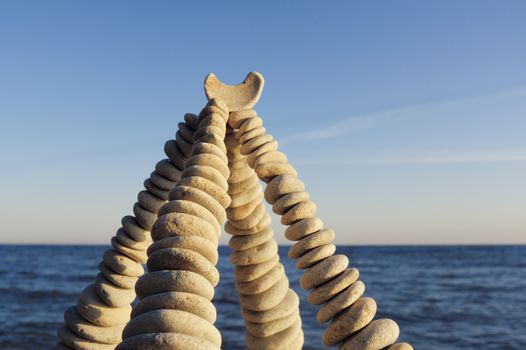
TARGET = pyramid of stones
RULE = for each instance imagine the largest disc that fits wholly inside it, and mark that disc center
(212, 178)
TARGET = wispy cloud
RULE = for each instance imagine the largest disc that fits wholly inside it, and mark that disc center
(357, 123)
(428, 158)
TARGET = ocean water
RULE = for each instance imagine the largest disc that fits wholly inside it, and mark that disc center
(442, 297)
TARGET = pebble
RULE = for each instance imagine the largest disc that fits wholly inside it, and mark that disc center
(165, 341)
(93, 309)
(89, 331)
(286, 306)
(173, 281)
(340, 302)
(324, 271)
(377, 335)
(324, 293)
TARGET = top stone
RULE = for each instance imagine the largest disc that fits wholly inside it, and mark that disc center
(237, 97)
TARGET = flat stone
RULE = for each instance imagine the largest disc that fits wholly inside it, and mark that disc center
(239, 213)
(173, 281)
(74, 341)
(300, 211)
(154, 189)
(326, 292)
(132, 228)
(165, 341)
(255, 255)
(172, 321)
(315, 255)
(253, 144)
(286, 339)
(149, 201)
(127, 241)
(341, 301)
(202, 198)
(195, 243)
(350, 321)
(166, 168)
(324, 271)
(303, 228)
(207, 172)
(181, 224)
(400, 346)
(262, 224)
(312, 241)
(286, 202)
(119, 280)
(210, 160)
(267, 147)
(287, 306)
(217, 149)
(377, 335)
(268, 171)
(94, 310)
(89, 331)
(270, 328)
(251, 219)
(188, 302)
(191, 208)
(208, 187)
(144, 217)
(183, 259)
(137, 255)
(251, 272)
(250, 241)
(245, 185)
(261, 284)
(113, 295)
(122, 264)
(270, 157)
(267, 299)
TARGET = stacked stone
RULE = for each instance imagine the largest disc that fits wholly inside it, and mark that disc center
(270, 308)
(175, 309)
(332, 283)
(103, 308)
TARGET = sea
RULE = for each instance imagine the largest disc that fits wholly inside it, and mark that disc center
(443, 297)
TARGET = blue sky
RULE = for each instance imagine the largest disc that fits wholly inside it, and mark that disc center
(406, 119)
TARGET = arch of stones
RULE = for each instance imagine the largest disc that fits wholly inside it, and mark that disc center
(212, 177)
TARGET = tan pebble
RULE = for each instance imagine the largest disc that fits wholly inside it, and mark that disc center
(239, 163)
(161, 182)
(180, 224)
(285, 203)
(116, 278)
(315, 255)
(268, 171)
(132, 228)
(270, 157)
(211, 148)
(210, 160)
(89, 331)
(377, 335)
(261, 284)
(242, 212)
(149, 201)
(262, 224)
(191, 120)
(253, 144)
(250, 241)
(157, 191)
(185, 131)
(303, 228)
(251, 272)
(175, 321)
(112, 294)
(173, 281)
(251, 219)
(188, 302)
(281, 185)
(137, 255)
(350, 321)
(93, 309)
(249, 135)
(174, 153)
(341, 301)
(256, 255)
(74, 341)
(326, 292)
(300, 211)
(144, 217)
(183, 259)
(287, 306)
(211, 139)
(245, 185)
(270, 328)
(207, 172)
(195, 243)
(238, 175)
(201, 198)
(317, 239)
(191, 208)
(184, 146)
(127, 241)
(267, 299)
(282, 340)
(237, 118)
(324, 271)
(400, 346)
(207, 186)
(249, 124)
(122, 264)
(165, 341)
(166, 168)
(247, 196)
(268, 147)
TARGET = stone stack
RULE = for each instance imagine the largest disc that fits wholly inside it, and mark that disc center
(270, 308)
(104, 307)
(333, 284)
(175, 309)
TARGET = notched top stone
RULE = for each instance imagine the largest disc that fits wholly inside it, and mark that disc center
(237, 97)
